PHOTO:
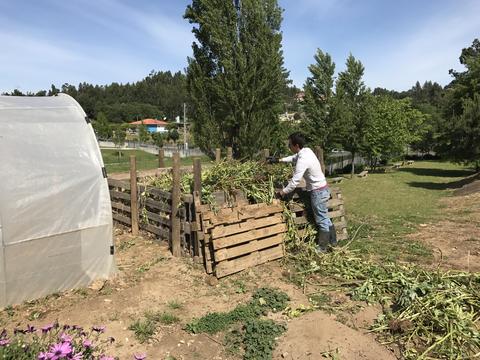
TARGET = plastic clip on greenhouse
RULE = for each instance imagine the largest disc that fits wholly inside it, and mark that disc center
(55, 212)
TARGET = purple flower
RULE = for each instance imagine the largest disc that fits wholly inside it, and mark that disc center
(57, 351)
(77, 356)
(139, 356)
(4, 342)
(42, 356)
(99, 328)
(66, 338)
(87, 344)
(47, 328)
(31, 329)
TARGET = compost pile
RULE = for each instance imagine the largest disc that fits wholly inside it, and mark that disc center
(428, 314)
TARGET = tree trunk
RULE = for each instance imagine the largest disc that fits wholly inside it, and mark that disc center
(353, 165)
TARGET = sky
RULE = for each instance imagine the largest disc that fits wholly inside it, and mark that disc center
(103, 41)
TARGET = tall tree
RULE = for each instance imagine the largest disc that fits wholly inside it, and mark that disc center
(461, 130)
(319, 99)
(236, 77)
(102, 127)
(351, 107)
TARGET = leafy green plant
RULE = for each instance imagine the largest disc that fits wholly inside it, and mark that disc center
(255, 335)
(144, 329)
(175, 305)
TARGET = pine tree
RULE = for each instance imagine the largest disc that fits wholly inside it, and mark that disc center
(319, 100)
(236, 77)
(351, 107)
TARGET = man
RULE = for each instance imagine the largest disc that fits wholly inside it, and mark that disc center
(308, 167)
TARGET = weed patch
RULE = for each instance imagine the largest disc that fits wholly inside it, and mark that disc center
(254, 336)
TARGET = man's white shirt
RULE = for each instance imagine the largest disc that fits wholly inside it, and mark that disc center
(308, 167)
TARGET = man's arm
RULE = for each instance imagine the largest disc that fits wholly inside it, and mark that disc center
(300, 169)
(288, 159)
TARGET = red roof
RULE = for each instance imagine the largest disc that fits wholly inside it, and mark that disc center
(150, 122)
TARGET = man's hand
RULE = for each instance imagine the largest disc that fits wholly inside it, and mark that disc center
(272, 160)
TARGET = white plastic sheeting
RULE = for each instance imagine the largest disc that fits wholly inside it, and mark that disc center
(55, 211)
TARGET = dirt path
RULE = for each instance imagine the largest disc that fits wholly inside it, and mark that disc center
(456, 240)
(149, 278)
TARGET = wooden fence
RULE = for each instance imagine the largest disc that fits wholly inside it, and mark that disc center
(227, 241)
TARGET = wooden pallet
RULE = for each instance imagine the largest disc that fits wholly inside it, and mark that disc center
(336, 212)
(237, 238)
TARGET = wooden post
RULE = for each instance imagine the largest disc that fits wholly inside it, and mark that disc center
(319, 153)
(266, 154)
(161, 158)
(197, 188)
(229, 153)
(133, 195)
(218, 155)
(174, 218)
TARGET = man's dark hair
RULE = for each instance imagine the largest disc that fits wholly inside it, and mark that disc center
(297, 138)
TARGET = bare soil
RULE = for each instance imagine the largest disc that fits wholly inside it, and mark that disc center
(149, 278)
(455, 240)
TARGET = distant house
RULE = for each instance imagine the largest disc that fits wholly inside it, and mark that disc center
(153, 125)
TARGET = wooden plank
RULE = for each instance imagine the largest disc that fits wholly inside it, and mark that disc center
(163, 233)
(158, 218)
(244, 212)
(155, 204)
(114, 194)
(218, 155)
(222, 231)
(334, 203)
(249, 236)
(300, 220)
(336, 213)
(120, 206)
(255, 245)
(176, 245)
(133, 195)
(155, 192)
(119, 184)
(161, 158)
(121, 218)
(232, 266)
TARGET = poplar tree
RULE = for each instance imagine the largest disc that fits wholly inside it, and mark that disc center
(236, 76)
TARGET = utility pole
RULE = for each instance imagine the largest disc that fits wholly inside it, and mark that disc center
(185, 145)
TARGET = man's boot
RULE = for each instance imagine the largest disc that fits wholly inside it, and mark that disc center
(323, 239)
(333, 235)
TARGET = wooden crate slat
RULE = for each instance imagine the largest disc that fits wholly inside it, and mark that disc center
(249, 236)
(155, 192)
(243, 212)
(222, 231)
(255, 245)
(123, 219)
(163, 233)
(256, 258)
(332, 203)
(158, 218)
(119, 183)
(120, 206)
(336, 213)
(114, 194)
(300, 220)
(158, 205)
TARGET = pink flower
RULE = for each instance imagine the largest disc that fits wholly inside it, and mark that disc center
(4, 342)
(58, 351)
(140, 356)
(66, 338)
(42, 356)
(78, 356)
(47, 328)
(87, 343)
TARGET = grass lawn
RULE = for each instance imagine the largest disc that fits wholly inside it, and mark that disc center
(392, 205)
(145, 161)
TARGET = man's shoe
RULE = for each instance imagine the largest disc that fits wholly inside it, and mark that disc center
(322, 240)
(332, 236)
